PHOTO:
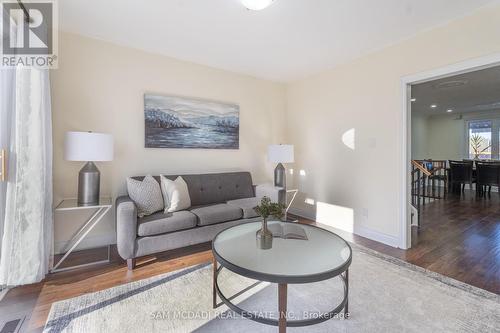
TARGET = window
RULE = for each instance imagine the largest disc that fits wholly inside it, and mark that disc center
(480, 139)
(483, 143)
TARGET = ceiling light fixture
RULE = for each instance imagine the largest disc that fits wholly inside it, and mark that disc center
(449, 110)
(413, 99)
(256, 4)
(433, 106)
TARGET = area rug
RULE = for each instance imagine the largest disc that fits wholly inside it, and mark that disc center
(386, 295)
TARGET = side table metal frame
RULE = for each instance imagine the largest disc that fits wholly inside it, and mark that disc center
(87, 227)
(294, 191)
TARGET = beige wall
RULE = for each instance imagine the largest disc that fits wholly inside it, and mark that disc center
(439, 137)
(366, 94)
(446, 137)
(419, 136)
(99, 86)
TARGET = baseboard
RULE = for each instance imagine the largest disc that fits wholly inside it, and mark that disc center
(3, 292)
(414, 215)
(378, 236)
(362, 231)
(89, 242)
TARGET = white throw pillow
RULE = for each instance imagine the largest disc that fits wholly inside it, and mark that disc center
(175, 194)
(146, 194)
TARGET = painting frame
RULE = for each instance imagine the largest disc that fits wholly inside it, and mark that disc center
(180, 122)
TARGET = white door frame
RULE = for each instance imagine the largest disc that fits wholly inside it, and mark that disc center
(405, 135)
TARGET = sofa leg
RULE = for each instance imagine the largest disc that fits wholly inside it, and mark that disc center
(130, 264)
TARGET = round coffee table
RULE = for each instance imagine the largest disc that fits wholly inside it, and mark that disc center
(324, 255)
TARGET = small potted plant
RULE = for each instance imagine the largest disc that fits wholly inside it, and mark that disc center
(266, 209)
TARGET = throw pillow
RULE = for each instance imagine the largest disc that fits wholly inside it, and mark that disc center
(175, 194)
(146, 194)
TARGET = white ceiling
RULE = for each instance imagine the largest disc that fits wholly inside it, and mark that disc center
(471, 92)
(287, 41)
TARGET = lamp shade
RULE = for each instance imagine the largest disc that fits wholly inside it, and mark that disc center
(88, 146)
(280, 154)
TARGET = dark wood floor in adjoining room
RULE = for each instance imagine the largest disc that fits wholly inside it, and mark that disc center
(459, 237)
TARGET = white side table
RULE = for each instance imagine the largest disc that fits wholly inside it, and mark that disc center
(104, 205)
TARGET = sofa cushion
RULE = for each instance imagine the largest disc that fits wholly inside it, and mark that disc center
(217, 213)
(161, 223)
(215, 188)
(247, 205)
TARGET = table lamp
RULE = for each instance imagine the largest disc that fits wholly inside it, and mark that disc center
(280, 154)
(88, 147)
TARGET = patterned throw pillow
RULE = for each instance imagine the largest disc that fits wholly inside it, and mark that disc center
(146, 194)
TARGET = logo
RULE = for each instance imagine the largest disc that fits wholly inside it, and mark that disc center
(29, 33)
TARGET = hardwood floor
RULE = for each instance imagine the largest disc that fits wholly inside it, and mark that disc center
(34, 301)
(459, 237)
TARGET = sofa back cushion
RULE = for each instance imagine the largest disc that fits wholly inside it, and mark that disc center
(213, 188)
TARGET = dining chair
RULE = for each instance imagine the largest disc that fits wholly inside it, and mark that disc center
(488, 174)
(461, 173)
(468, 160)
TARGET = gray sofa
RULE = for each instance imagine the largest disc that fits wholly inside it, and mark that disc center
(218, 201)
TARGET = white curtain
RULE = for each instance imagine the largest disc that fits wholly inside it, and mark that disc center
(28, 221)
(7, 97)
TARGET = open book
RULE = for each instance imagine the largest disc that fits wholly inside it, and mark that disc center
(287, 231)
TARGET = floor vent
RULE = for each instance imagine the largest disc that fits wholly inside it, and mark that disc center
(12, 326)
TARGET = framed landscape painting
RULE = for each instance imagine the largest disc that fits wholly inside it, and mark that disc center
(180, 122)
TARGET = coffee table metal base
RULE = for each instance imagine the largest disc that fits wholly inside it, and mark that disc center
(282, 321)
